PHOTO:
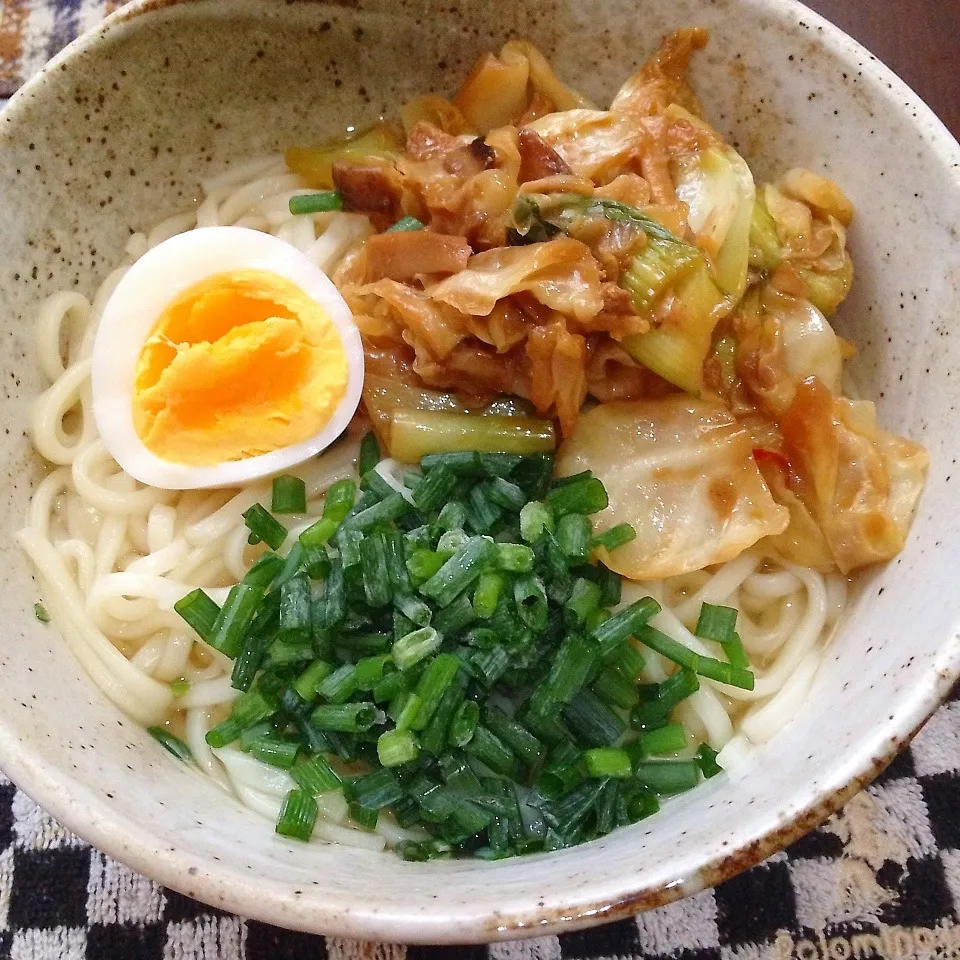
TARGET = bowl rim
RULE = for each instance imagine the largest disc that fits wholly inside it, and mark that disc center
(92, 818)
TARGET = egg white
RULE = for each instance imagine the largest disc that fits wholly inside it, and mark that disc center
(134, 308)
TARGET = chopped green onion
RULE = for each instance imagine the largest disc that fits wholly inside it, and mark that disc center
(433, 739)
(316, 562)
(373, 566)
(234, 618)
(583, 600)
(736, 652)
(628, 661)
(307, 683)
(369, 455)
(451, 541)
(704, 666)
(436, 488)
(515, 557)
(567, 811)
(415, 646)
(506, 494)
(289, 495)
(179, 687)
(535, 518)
(375, 484)
(482, 512)
(448, 644)
(40, 612)
(460, 571)
(707, 759)
(593, 720)
(404, 224)
(404, 710)
(581, 495)
(659, 699)
(668, 776)
(420, 851)
(384, 511)
(464, 723)
(390, 686)
(610, 634)
(531, 600)
(573, 536)
(335, 597)
(489, 749)
(438, 676)
(295, 617)
(344, 717)
(618, 536)
(608, 762)
(366, 819)
(716, 623)
(199, 611)
(455, 617)
(376, 790)
(264, 527)
(668, 739)
(397, 747)
(487, 594)
(322, 202)
(315, 776)
(339, 500)
(318, 534)
(571, 667)
(423, 564)
(298, 816)
(369, 671)
(613, 688)
(171, 744)
(490, 665)
(348, 542)
(256, 640)
(413, 608)
(516, 736)
(452, 516)
(223, 733)
(275, 752)
(340, 685)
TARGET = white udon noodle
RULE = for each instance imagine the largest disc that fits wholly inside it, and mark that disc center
(112, 555)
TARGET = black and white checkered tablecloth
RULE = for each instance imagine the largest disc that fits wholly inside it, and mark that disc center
(881, 879)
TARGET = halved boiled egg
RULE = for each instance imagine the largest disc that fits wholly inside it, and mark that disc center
(223, 355)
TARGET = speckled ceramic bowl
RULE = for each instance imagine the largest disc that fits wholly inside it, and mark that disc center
(115, 134)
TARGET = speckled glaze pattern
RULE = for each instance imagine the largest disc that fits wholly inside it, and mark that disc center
(115, 135)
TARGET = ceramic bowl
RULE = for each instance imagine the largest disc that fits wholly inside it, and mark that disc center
(116, 133)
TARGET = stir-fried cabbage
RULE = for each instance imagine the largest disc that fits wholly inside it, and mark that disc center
(718, 187)
(596, 144)
(860, 484)
(677, 347)
(560, 274)
(501, 90)
(681, 472)
(621, 254)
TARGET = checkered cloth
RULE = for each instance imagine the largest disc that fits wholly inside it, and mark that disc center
(881, 879)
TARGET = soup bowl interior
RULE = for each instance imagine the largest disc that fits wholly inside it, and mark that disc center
(117, 134)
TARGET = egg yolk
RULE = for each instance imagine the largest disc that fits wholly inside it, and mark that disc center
(239, 365)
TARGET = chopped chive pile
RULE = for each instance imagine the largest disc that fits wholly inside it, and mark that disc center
(40, 612)
(456, 660)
